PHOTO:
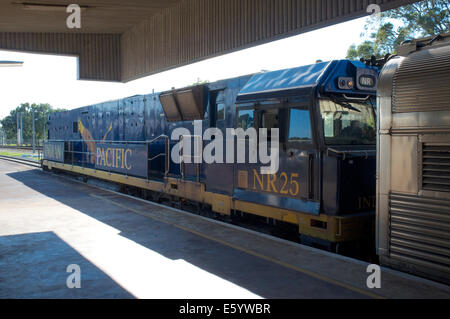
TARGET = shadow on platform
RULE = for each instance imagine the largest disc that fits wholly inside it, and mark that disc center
(261, 277)
(34, 266)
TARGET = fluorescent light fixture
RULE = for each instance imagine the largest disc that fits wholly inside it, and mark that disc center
(10, 63)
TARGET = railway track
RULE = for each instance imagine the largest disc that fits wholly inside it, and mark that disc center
(25, 148)
(20, 161)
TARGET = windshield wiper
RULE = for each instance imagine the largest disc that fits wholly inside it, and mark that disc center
(345, 105)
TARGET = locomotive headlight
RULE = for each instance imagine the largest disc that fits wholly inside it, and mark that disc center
(345, 83)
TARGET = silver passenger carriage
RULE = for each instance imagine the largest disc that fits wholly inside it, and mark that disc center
(413, 159)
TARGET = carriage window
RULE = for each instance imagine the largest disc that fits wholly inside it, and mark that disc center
(245, 119)
(220, 111)
(299, 126)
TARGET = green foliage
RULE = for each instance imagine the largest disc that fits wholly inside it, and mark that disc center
(430, 17)
(199, 82)
(41, 112)
(365, 49)
(420, 19)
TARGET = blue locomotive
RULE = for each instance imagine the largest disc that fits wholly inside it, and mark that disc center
(324, 116)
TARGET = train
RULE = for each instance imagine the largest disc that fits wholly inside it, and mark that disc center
(325, 120)
(413, 159)
(363, 151)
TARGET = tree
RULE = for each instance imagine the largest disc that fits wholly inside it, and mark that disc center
(41, 112)
(420, 19)
(365, 49)
(199, 82)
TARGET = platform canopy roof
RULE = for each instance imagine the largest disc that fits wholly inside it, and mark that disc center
(124, 40)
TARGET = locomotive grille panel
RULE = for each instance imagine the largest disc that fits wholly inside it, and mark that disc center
(416, 91)
(436, 167)
(420, 231)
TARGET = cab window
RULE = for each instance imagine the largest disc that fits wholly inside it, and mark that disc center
(220, 106)
(270, 119)
(245, 119)
(299, 126)
(216, 108)
(348, 122)
(220, 111)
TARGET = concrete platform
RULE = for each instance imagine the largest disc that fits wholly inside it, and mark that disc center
(128, 248)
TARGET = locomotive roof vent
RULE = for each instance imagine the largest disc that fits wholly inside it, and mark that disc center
(187, 104)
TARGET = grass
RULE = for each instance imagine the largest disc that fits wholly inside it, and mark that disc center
(18, 155)
(11, 154)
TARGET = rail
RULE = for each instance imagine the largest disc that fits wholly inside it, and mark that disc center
(21, 161)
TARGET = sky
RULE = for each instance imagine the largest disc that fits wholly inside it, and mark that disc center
(53, 79)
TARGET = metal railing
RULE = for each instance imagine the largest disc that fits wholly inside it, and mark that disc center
(166, 153)
(344, 153)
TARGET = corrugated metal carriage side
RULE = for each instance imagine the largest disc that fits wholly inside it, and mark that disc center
(413, 207)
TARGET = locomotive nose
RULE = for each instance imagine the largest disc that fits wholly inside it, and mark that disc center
(358, 184)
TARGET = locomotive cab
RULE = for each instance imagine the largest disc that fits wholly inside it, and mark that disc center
(347, 126)
(325, 115)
